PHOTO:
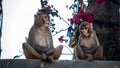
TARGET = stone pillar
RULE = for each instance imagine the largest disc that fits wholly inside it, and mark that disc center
(1, 20)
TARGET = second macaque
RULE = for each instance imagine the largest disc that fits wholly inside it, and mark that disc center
(88, 47)
(39, 44)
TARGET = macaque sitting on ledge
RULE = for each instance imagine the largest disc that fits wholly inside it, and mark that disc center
(88, 47)
(39, 44)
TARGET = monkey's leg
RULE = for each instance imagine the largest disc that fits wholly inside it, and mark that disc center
(79, 53)
(50, 52)
(57, 53)
(29, 52)
(98, 54)
(50, 58)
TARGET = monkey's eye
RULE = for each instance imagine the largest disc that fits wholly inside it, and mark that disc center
(84, 28)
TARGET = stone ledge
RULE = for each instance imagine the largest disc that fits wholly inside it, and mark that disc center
(35, 63)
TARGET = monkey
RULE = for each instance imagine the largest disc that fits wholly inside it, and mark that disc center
(39, 44)
(88, 47)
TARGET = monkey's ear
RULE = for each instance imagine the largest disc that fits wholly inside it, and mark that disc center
(35, 16)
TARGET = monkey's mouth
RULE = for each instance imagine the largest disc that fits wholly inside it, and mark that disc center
(47, 24)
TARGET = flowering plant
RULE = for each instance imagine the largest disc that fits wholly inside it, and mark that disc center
(61, 39)
(83, 16)
(45, 9)
(102, 2)
(49, 9)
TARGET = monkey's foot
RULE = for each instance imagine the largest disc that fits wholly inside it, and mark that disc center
(89, 57)
(50, 58)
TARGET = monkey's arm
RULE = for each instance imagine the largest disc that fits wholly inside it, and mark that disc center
(51, 48)
(96, 38)
(98, 44)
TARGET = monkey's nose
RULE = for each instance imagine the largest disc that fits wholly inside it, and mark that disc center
(46, 16)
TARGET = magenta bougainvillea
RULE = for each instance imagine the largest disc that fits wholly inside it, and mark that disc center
(86, 16)
(46, 9)
(102, 2)
(61, 39)
(81, 15)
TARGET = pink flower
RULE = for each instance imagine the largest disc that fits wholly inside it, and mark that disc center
(85, 16)
(93, 11)
(102, 2)
(89, 18)
(81, 15)
(74, 20)
(81, 12)
(117, 28)
(60, 39)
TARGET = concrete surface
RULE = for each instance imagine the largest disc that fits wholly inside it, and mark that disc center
(36, 63)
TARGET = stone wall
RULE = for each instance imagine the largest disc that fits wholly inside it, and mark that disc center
(34, 63)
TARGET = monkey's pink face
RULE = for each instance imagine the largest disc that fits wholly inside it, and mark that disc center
(46, 19)
(84, 30)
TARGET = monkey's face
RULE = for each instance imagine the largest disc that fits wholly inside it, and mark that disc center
(46, 20)
(42, 19)
(84, 30)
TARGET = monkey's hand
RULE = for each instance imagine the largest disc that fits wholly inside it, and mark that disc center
(43, 56)
(50, 52)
